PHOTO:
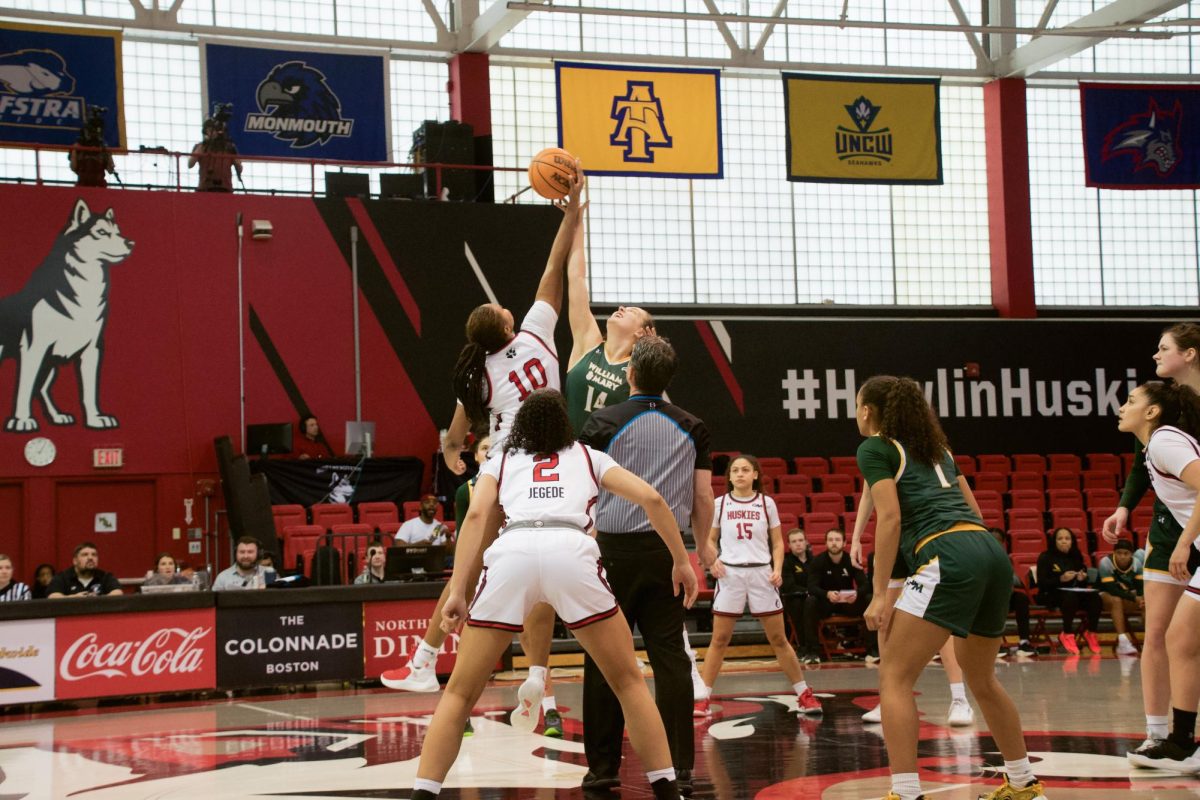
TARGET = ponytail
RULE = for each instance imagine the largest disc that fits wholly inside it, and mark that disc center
(905, 416)
(485, 334)
(1179, 403)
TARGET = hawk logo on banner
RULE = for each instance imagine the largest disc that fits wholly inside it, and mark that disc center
(1137, 137)
(641, 120)
(893, 135)
(48, 78)
(297, 106)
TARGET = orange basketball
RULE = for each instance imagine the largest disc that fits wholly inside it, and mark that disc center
(551, 172)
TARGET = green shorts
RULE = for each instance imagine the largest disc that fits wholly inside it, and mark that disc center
(1164, 535)
(963, 584)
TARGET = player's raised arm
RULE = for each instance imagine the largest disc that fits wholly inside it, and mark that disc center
(550, 288)
(585, 333)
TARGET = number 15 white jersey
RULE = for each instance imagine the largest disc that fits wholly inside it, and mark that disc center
(559, 486)
(528, 362)
(745, 526)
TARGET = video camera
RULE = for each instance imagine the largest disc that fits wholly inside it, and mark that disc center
(93, 127)
(216, 127)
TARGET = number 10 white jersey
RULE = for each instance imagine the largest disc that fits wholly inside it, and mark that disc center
(528, 362)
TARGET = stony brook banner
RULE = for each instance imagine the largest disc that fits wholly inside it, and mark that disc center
(1141, 136)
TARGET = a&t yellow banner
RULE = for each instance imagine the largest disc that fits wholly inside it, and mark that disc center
(641, 120)
(854, 130)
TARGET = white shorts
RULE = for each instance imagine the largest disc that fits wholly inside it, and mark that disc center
(1193, 586)
(746, 585)
(541, 565)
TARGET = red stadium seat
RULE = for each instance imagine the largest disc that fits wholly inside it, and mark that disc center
(773, 465)
(1027, 518)
(1026, 481)
(818, 523)
(1098, 479)
(993, 518)
(1105, 461)
(1073, 518)
(286, 515)
(1056, 479)
(1101, 498)
(377, 514)
(994, 463)
(1028, 498)
(1064, 462)
(965, 464)
(787, 521)
(812, 466)
(299, 543)
(851, 517)
(994, 481)
(1064, 498)
(839, 482)
(844, 465)
(327, 515)
(1097, 516)
(791, 503)
(1029, 462)
(831, 502)
(794, 484)
(1027, 540)
(989, 499)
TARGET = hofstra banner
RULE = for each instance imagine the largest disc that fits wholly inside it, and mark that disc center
(50, 76)
(855, 130)
(649, 121)
(300, 103)
(1141, 136)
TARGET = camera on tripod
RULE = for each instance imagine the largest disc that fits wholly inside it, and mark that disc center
(93, 128)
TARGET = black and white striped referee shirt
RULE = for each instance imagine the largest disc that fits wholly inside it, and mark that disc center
(660, 443)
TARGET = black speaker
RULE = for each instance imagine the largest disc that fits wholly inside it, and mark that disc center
(401, 186)
(446, 143)
(347, 184)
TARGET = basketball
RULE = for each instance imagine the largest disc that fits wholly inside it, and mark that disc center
(551, 172)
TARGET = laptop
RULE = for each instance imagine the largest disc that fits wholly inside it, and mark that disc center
(406, 562)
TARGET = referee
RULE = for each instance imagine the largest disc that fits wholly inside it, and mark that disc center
(669, 449)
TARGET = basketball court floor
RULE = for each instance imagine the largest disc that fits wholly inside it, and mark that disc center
(1080, 716)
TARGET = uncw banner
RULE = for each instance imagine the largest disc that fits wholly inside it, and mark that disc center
(851, 130)
(641, 120)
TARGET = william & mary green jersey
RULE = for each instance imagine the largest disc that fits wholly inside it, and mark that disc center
(594, 382)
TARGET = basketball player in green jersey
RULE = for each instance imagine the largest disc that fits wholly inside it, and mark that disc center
(959, 580)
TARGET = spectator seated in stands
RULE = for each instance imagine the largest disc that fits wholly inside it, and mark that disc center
(1121, 589)
(836, 588)
(246, 572)
(424, 529)
(266, 560)
(1063, 583)
(307, 441)
(41, 581)
(373, 568)
(794, 592)
(165, 572)
(83, 578)
(1018, 605)
(10, 590)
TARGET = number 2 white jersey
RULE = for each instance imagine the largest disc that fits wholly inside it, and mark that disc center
(745, 527)
(529, 361)
(561, 487)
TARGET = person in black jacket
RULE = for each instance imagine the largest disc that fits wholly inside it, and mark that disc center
(796, 563)
(836, 587)
(1062, 578)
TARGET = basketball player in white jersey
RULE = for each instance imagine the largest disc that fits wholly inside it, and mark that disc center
(749, 572)
(545, 484)
(496, 370)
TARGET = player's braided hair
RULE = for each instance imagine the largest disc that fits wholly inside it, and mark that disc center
(906, 416)
(541, 425)
(1179, 403)
(753, 462)
(485, 334)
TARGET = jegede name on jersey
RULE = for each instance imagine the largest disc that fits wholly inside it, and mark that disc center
(546, 492)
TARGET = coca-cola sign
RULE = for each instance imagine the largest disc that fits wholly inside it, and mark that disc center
(136, 653)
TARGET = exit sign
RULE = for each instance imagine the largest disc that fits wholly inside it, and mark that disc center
(107, 457)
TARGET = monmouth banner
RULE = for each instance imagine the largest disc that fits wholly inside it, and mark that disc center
(856, 130)
(51, 77)
(300, 103)
(1141, 136)
(647, 121)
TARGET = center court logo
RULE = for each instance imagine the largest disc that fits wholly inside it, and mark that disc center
(860, 145)
(297, 105)
(640, 124)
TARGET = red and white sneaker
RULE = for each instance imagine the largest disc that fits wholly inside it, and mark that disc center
(808, 703)
(701, 708)
(411, 679)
